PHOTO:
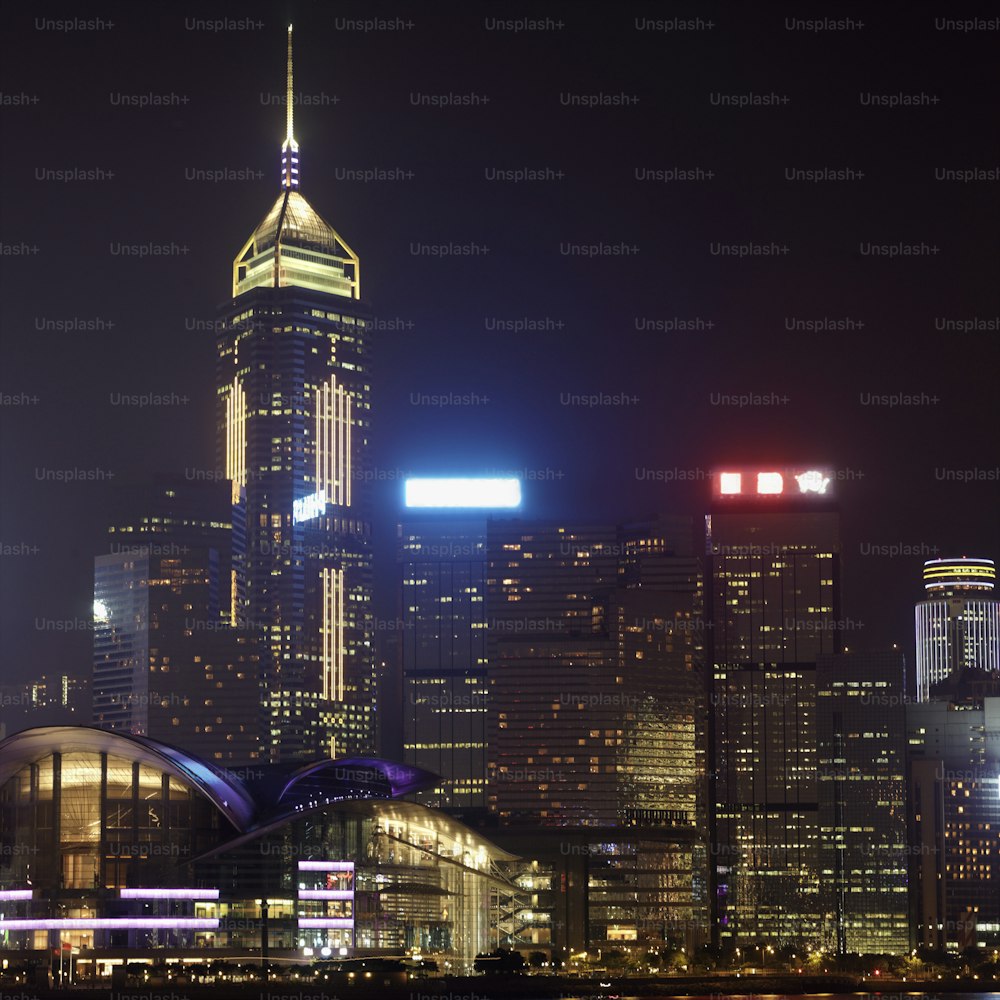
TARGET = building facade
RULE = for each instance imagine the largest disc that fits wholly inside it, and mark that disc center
(861, 767)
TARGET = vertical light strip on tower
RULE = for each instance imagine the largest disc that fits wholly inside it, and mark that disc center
(333, 634)
(933, 647)
(346, 401)
(289, 148)
(234, 598)
(236, 438)
(333, 443)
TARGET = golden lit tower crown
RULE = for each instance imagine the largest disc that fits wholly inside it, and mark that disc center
(294, 244)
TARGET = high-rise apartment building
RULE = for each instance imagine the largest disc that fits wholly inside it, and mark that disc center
(957, 622)
(773, 599)
(294, 389)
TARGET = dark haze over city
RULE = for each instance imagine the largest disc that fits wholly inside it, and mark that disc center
(917, 475)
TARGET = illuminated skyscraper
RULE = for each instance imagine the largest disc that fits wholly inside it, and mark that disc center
(442, 636)
(773, 596)
(957, 622)
(293, 416)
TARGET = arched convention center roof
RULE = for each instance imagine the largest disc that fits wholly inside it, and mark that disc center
(278, 791)
(225, 791)
(321, 777)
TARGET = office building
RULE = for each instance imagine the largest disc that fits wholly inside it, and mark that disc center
(443, 651)
(294, 389)
(861, 764)
(59, 699)
(596, 740)
(954, 776)
(957, 622)
(773, 599)
(441, 554)
(167, 663)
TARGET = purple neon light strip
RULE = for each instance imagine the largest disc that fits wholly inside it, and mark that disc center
(326, 894)
(326, 866)
(6, 894)
(326, 922)
(169, 893)
(109, 923)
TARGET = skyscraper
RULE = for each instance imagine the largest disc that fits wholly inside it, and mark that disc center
(957, 622)
(442, 565)
(954, 773)
(166, 663)
(861, 735)
(773, 597)
(293, 390)
(597, 724)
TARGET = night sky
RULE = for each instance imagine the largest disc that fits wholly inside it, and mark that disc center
(919, 477)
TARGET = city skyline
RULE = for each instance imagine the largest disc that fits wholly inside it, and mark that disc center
(612, 570)
(631, 330)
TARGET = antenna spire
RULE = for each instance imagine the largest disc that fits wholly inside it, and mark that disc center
(289, 148)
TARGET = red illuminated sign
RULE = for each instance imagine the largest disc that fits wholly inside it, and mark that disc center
(773, 482)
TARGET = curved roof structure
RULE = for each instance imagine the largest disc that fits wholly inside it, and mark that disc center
(395, 809)
(323, 776)
(224, 790)
(280, 792)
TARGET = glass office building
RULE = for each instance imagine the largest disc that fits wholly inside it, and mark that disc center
(442, 641)
(773, 596)
(293, 417)
(861, 765)
(597, 726)
(127, 849)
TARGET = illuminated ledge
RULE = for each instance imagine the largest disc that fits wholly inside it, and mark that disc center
(110, 923)
(326, 894)
(169, 893)
(326, 866)
(8, 894)
(321, 922)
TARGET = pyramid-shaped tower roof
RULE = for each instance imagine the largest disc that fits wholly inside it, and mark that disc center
(293, 244)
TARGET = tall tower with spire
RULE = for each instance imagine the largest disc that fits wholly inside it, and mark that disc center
(293, 392)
